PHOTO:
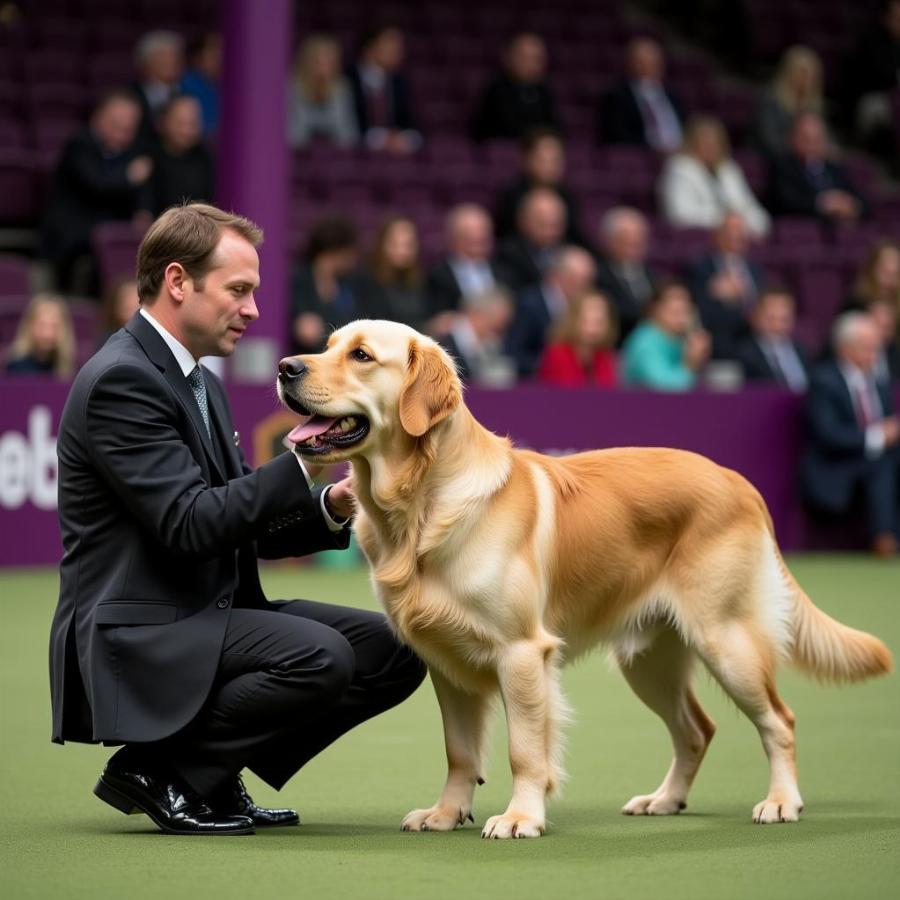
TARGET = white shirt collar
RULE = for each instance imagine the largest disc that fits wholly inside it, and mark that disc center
(183, 357)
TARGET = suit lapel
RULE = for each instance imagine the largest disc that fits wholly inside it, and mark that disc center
(224, 440)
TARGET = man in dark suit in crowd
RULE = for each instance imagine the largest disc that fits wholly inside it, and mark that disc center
(623, 274)
(806, 182)
(725, 284)
(99, 179)
(770, 353)
(381, 93)
(162, 639)
(519, 97)
(854, 434)
(641, 110)
(571, 274)
(159, 61)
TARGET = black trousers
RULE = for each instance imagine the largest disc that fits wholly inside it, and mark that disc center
(291, 680)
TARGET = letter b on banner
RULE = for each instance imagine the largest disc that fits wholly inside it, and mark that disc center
(28, 466)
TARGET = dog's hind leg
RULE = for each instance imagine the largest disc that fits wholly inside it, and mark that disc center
(660, 676)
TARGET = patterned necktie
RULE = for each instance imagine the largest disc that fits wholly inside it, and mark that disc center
(198, 386)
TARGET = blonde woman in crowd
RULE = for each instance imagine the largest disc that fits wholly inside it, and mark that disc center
(45, 341)
(878, 280)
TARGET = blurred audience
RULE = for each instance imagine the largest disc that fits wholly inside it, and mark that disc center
(808, 182)
(45, 341)
(623, 274)
(392, 287)
(667, 350)
(581, 350)
(725, 284)
(476, 339)
(159, 62)
(524, 257)
(323, 293)
(887, 321)
(641, 110)
(570, 275)
(201, 78)
(795, 89)
(770, 353)
(700, 185)
(182, 163)
(519, 98)
(467, 268)
(879, 277)
(852, 450)
(543, 165)
(120, 303)
(381, 93)
(99, 178)
(320, 102)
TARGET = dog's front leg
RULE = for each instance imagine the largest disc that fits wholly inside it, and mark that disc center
(529, 686)
(465, 729)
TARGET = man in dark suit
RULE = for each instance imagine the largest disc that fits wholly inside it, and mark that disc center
(159, 60)
(806, 182)
(770, 353)
(641, 110)
(162, 639)
(99, 179)
(854, 434)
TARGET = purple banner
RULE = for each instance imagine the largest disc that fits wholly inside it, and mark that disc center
(758, 433)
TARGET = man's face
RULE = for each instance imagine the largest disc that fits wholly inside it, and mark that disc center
(577, 274)
(181, 126)
(809, 140)
(774, 317)
(388, 50)
(546, 162)
(645, 60)
(526, 59)
(116, 124)
(164, 64)
(862, 349)
(628, 243)
(473, 236)
(731, 235)
(214, 316)
(543, 220)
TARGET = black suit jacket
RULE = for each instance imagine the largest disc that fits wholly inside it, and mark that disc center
(527, 335)
(399, 101)
(442, 290)
(620, 120)
(756, 364)
(509, 109)
(519, 263)
(448, 342)
(629, 308)
(161, 528)
(794, 193)
(836, 441)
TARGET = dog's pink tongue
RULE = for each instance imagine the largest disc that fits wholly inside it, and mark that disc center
(315, 425)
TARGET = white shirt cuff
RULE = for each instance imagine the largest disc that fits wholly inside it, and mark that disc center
(875, 440)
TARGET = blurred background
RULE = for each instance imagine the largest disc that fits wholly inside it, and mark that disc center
(631, 223)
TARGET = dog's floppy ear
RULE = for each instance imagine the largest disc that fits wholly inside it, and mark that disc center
(432, 389)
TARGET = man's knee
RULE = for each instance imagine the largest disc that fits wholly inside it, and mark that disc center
(324, 664)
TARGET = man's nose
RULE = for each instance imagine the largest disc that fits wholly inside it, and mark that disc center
(291, 368)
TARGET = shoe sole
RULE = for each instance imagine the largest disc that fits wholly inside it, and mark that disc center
(129, 806)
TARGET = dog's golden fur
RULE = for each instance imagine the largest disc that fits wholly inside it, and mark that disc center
(499, 565)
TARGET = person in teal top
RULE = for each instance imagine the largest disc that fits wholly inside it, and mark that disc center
(667, 350)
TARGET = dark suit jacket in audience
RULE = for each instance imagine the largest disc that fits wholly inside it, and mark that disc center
(176, 179)
(794, 191)
(527, 335)
(510, 109)
(758, 368)
(620, 120)
(628, 304)
(521, 264)
(508, 208)
(442, 290)
(400, 113)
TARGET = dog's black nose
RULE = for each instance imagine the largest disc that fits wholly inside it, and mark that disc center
(290, 368)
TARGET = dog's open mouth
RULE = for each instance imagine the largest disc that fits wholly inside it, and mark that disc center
(321, 434)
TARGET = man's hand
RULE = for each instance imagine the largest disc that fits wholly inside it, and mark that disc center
(139, 169)
(696, 349)
(891, 426)
(340, 500)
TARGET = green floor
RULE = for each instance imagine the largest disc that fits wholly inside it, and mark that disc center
(57, 840)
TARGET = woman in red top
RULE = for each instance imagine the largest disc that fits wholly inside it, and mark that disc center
(580, 353)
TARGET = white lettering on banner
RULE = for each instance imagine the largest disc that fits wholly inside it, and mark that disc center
(28, 466)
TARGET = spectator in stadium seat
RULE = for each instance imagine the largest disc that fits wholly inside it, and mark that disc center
(623, 274)
(700, 185)
(641, 110)
(571, 274)
(667, 350)
(725, 284)
(201, 78)
(159, 61)
(120, 303)
(770, 353)
(853, 434)
(382, 95)
(580, 352)
(886, 319)
(807, 182)
(392, 285)
(476, 339)
(182, 163)
(319, 97)
(879, 278)
(45, 341)
(543, 165)
(323, 291)
(468, 268)
(795, 89)
(519, 98)
(524, 257)
(99, 178)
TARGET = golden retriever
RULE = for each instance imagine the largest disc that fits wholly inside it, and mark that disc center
(500, 565)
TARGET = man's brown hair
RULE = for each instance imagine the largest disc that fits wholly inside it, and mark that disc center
(189, 235)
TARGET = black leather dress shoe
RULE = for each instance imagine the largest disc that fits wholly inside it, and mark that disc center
(172, 806)
(233, 800)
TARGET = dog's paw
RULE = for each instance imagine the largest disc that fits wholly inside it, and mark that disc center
(512, 825)
(654, 805)
(436, 818)
(775, 809)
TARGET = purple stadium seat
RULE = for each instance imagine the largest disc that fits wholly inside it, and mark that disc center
(14, 281)
(11, 309)
(54, 65)
(51, 135)
(57, 100)
(115, 249)
(796, 231)
(820, 292)
(13, 135)
(85, 319)
(18, 200)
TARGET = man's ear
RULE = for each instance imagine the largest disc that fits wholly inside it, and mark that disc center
(175, 278)
(432, 389)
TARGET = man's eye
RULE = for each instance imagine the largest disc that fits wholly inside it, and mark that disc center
(360, 355)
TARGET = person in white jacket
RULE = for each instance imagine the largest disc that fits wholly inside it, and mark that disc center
(700, 185)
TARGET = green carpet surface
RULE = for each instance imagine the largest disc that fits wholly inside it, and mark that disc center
(58, 841)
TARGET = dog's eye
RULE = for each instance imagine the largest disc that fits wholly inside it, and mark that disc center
(360, 355)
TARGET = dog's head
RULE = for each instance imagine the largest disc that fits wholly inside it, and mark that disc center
(375, 380)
